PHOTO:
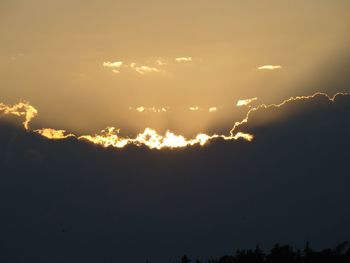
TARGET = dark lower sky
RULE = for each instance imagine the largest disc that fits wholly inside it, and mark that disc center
(69, 200)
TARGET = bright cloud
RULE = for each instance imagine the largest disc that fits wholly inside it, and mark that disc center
(194, 108)
(270, 67)
(183, 59)
(116, 64)
(245, 102)
(149, 109)
(213, 109)
(144, 69)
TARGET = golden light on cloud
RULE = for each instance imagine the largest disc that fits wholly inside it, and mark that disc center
(213, 109)
(116, 64)
(140, 109)
(291, 99)
(183, 59)
(270, 67)
(149, 137)
(194, 108)
(149, 109)
(53, 134)
(144, 69)
(20, 109)
(141, 69)
(245, 102)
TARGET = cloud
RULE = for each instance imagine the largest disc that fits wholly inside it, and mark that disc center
(150, 137)
(245, 102)
(116, 64)
(144, 69)
(213, 109)
(140, 109)
(160, 62)
(149, 109)
(140, 68)
(269, 67)
(53, 133)
(20, 109)
(174, 186)
(194, 108)
(183, 59)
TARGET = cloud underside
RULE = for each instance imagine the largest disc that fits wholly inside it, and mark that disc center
(150, 137)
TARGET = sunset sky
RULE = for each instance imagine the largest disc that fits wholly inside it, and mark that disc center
(59, 56)
(134, 131)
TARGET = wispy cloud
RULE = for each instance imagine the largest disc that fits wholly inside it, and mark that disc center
(270, 67)
(150, 138)
(144, 69)
(154, 66)
(116, 64)
(149, 109)
(245, 102)
(160, 62)
(183, 59)
(194, 108)
(141, 69)
(20, 109)
(213, 109)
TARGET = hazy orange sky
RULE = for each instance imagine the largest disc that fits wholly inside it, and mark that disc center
(134, 64)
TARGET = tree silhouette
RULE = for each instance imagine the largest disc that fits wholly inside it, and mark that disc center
(285, 254)
(185, 259)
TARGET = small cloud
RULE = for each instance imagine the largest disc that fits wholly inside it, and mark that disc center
(116, 64)
(53, 133)
(150, 109)
(140, 109)
(183, 59)
(213, 109)
(144, 69)
(160, 62)
(157, 110)
(245, 102)
(194, 108)
(270, 67)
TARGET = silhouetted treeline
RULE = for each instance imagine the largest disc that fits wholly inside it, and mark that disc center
(283, 254)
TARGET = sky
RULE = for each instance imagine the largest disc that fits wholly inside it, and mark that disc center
(55, 55)
(225, 126)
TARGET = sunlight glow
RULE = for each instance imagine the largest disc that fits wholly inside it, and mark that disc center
(149, 137)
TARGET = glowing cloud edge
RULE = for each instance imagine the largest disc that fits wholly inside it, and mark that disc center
(149, 137)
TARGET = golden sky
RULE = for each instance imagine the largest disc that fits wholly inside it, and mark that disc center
(178, 65)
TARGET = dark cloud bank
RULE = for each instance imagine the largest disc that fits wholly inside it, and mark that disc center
(70, 201)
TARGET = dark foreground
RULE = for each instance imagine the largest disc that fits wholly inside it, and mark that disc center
(283, 254)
